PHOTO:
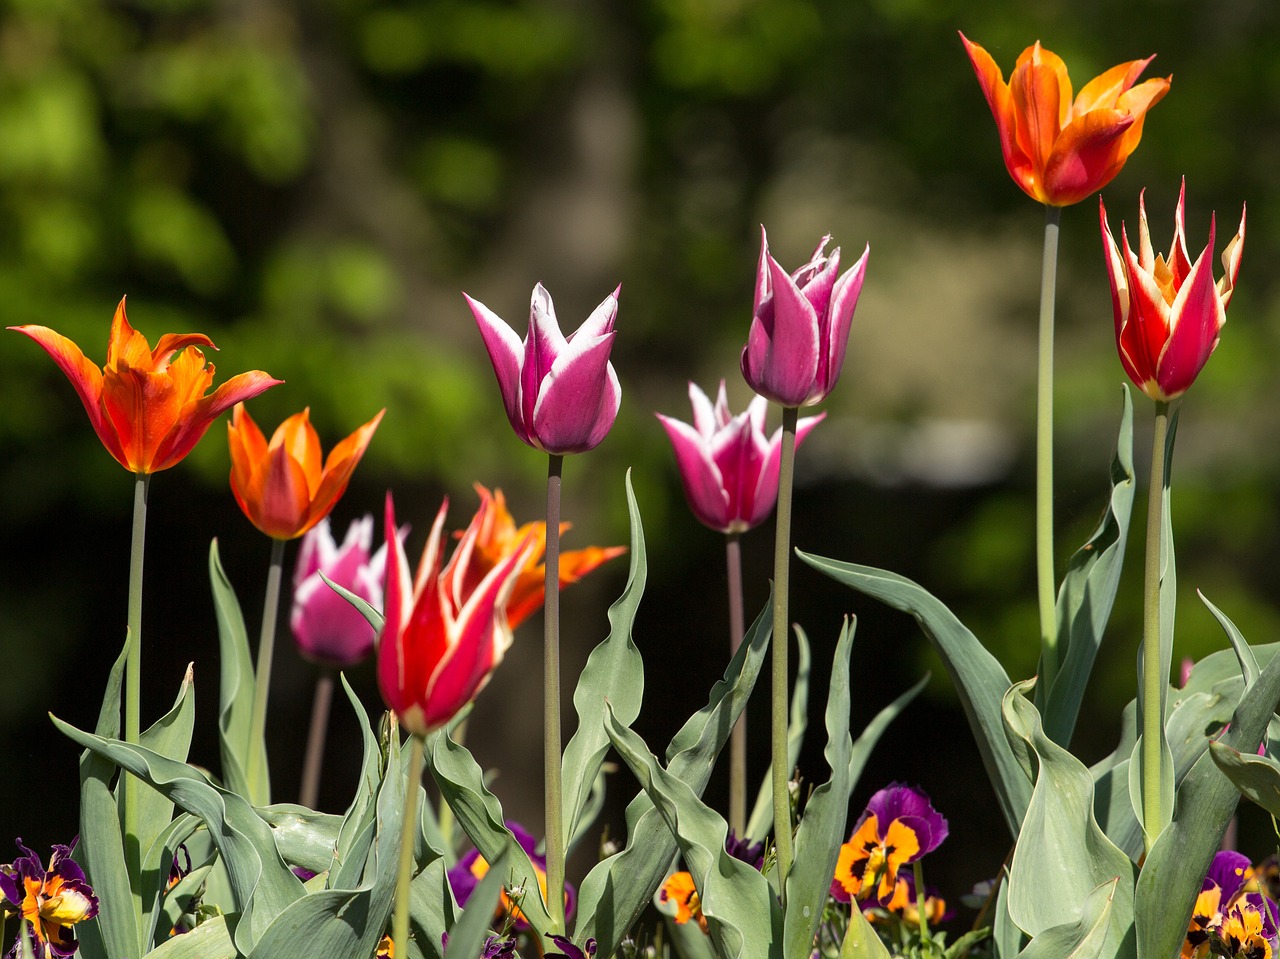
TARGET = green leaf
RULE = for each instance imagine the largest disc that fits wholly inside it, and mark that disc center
(1062, 855)
(614, 673)
(156, 867)
(262, 883)
(1178, 861)
(742, 913)
(209, 940)
(760, 822)
(303, 836)
(114, 932)
(468, 935)
(1088, 591)
(431, 910)
(1248, 662)
(359, 822)
(979, 680)
(235, 691)
(371, 615)
(1257, 777)
(461, 783)
(1006, 937)
(861, 941)
(1089, 937)
(616, 891)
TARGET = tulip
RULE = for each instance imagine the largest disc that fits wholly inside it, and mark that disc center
(148, 406)
(561, 395)
(280, 485)
(327, 628)
(1056, 150)
(800, 327)
(728, 466)
(1169, 312)
(498, 536)
(441, 640)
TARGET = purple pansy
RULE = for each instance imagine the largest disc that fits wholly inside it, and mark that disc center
(561, 393)
(52, 900)
(471, 868)
(898, 827)
(744, 850)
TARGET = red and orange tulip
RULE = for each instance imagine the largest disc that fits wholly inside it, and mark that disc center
(1057, 150)
(282, 486)
(497, 536)
(442, 638)
(148, 406)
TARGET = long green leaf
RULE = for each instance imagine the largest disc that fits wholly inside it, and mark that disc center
(980, 681)
(262, 883)
(742, 913)
(468, 935)
(861, 941)
(760, 822)
(235, 690)
(1257, 777)
(1088, 591)
(1092, 936)
(614, 673)
(617, 890)
(209, 940)
(431, 910)
(1062, 855)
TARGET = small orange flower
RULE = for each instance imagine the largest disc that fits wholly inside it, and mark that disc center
(499, 537)
(679, 889)
(148, 406)
(1059, 151)
(280, 485)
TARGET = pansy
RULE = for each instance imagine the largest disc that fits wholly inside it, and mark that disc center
(51, 900)
(472, 867)
(569, 951)
(898, 827)
(680, 891)
(495, 947)
(1231, 917)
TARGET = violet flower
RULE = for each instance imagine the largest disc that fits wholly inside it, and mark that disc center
(898, 827)
(52, 900)
(327, 628)
(728, 466)
(561, 394)
(800, 327)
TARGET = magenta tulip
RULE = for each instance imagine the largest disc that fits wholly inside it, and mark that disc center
(561, 394)
(800, 329)
(327, 628)
(728, 465)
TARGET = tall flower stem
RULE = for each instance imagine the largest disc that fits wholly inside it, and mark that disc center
(262, 672)
(779, 690)
(738, 738)
(408, 836)
(133, 675)
(1153, 811)
(551, 700)
(1046, 586)
(316, 736)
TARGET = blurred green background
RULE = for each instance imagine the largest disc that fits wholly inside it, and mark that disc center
(312, 182)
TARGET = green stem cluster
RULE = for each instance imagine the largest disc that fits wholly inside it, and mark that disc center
(779, 688)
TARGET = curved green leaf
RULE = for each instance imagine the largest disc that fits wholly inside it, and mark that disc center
(209, 940)
(1090, 937)
(980, 681)
(431, 910)
(468, 935)
(861, 941)
(1257, 777)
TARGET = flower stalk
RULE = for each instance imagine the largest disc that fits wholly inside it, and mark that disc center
(408, 834)
(551, 747)
(1153, 811)
(262, 671)
(1046, 583)
(317, 734)
(779, 690)
(133, 671)
(738, 737)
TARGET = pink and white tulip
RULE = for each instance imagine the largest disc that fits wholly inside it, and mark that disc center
(728, 465)
(561, 394)
(327, 628)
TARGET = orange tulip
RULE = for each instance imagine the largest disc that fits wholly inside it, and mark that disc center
(280, 485)
(148, 406)
(498, 538)
(1056, 150)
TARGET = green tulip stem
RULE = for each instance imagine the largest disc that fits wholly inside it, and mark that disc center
(133, 684)
(778, 693)
(737, 738)
(1046, 586)
(551, 701)
(918, 876)
(262, 675)
(408, 837)
(1153, 812)
(316, 736)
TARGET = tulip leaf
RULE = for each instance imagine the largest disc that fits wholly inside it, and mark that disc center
(1257, 777)
(1088, 591)
(303, 836)
(1062, 855)
(114, 932)
(742, 913)
(156, 868)
(209, 940)
(689, 939)
(1206, 799)
(235, 691)
(263, 885)
(356, 832)
(1006, 937)
(467, 936)
(614, 672)
(1244, 655)
(860, 939)
(479, 812)
(760, 822)
(431, 910)
(1089, 937)
(617, 890)
(371, 615)
(980, 681)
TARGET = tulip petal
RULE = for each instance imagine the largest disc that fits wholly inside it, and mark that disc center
(705, 416)
(844, 300)
(579, 398)
(1197, 316)
(1041, 94)
(781, 357)
(505, 350)
(341, 463)
(544, 344)
(1087, 156)
(1106, 88)
(704, 485)
(1231, 263)
(996, 91)
(199, 417)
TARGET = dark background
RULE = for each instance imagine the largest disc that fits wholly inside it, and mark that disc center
(312, 182)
